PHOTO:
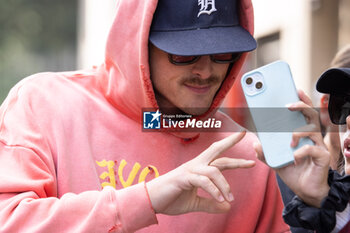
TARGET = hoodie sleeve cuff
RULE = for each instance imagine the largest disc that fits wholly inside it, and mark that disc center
(135, 208)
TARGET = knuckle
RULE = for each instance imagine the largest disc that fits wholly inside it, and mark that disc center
(213, 171)
(296, 135)
(216, 191)
(226, 187)
(205, 180)
(308, 148)
(314, 128)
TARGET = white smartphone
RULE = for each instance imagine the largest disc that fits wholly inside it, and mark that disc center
(267, 91)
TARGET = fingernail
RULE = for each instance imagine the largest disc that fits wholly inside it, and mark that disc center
(289, 105)
(221, 198)
(296, 162)
(230, 197)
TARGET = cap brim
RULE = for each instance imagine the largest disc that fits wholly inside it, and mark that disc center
(204, 41)
(335, 80)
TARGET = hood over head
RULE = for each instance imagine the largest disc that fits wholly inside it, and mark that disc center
(127, 82)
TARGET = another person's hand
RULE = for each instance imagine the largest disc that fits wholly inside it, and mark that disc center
(307, 177)
(176, 191)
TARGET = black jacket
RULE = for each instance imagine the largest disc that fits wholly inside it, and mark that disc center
(298, 214)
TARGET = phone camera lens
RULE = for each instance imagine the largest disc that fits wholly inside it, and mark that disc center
(249, 81)
(258, 85)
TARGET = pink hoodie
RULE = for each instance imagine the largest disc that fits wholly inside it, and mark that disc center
(73, 157)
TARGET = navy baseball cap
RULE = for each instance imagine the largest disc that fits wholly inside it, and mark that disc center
(199, 27)
(334, 81)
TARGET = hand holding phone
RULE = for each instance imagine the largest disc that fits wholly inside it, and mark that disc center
(267, 91)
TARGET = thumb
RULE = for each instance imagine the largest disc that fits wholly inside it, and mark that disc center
(259, 152)
(211, 206)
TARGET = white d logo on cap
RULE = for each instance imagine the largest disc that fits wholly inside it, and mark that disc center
(207, 7)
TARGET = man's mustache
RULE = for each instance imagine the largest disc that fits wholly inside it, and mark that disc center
(201, 82)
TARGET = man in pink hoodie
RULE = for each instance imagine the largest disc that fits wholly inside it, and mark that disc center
(74, 156)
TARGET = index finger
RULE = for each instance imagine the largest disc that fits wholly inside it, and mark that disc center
(259, 152)
(231, 163)
(305, 98)
(217, 148)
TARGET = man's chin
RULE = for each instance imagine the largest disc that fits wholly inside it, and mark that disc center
(195, 111)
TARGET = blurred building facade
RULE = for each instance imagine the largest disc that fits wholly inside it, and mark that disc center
(304, 33)
(36, 36)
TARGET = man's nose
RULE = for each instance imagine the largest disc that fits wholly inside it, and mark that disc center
(203, 67)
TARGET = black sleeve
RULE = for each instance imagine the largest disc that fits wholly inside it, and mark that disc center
(287, 196)
(298, 214)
